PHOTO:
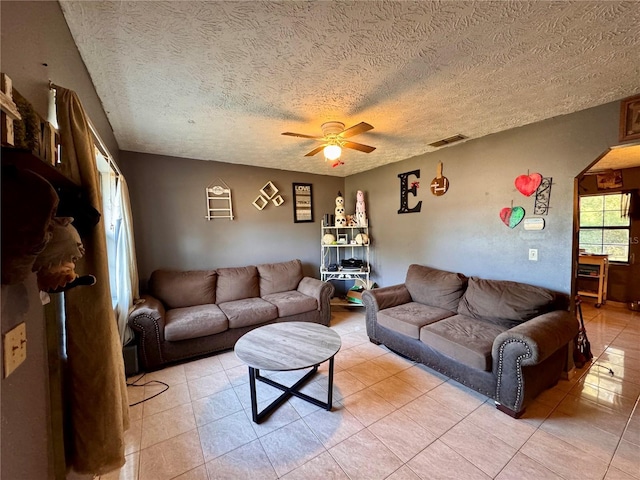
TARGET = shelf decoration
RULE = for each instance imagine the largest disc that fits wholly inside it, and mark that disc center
(260, 202)
(341, 219)
(405, 190)
(511, 217)
(543, 196)
(440, 184)
(219, 203)
(268, 192)
(528, 184)
(361, 211)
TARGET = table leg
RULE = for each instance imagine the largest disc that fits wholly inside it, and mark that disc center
(253, 372)
(330, 396)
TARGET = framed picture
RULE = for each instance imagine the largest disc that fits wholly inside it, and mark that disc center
(302, 203)
(630, 119)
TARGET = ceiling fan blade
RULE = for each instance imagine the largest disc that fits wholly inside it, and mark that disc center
(315, 150)
(355, 130)
(301, 135)
(358, 146)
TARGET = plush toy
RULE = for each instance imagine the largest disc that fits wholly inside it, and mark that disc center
(362, 239)
(29, 204)
(341, 219)
(55, 266)
(361, 214)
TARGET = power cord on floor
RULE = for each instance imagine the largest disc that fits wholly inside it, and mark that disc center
(606, 368)
(150, 382)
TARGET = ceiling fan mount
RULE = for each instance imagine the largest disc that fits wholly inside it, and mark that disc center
(332, 128)
(334, 134)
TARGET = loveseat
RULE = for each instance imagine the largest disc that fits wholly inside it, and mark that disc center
(195, 313)
(506, 340)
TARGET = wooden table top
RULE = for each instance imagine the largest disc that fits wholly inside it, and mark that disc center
(287, 346)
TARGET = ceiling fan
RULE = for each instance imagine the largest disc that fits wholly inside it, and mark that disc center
(333, 140)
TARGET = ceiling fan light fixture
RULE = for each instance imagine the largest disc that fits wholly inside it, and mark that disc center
(332, 152)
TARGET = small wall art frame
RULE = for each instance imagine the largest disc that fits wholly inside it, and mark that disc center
(302, 203)
(630, 119)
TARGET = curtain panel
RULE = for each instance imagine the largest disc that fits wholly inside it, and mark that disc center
(96, 387)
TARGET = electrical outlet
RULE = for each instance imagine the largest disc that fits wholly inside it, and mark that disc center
(533, 254)
(15, 348)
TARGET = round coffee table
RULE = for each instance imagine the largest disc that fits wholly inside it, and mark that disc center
(287, 346)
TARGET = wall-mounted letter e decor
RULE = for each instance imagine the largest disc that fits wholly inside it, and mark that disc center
(405, 190)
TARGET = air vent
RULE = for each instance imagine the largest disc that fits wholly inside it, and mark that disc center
(447, 141)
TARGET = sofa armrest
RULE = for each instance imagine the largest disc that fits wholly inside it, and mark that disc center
(379, 299)
(147, 319)
(528, 344)
(538, 338)
(322, 292)
(386, 297)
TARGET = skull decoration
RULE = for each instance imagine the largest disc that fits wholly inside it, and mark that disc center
(341, 219)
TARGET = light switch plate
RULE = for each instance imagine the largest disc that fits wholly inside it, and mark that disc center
(15, 348)
(533, 254)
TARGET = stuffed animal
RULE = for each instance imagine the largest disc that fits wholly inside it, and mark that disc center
(341, 219)
(55, 266)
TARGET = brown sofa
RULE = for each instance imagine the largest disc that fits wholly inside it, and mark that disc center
(193, 313)
(506, 340)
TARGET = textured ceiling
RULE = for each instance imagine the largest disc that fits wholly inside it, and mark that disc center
(222, 80)
(624, 157)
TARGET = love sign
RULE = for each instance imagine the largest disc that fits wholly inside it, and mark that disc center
(511, 217)
(528, 184)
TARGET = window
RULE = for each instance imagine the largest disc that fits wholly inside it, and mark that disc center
(605, 225)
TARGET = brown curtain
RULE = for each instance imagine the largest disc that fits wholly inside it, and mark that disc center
(96, 386)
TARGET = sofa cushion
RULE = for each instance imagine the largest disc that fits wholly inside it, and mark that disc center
(279, 277)
(237, 283)
(435, 287)
(178, 289)
(249, 311)
(409, 318)
(291, 302)
(193, 322)
(466, 340)
(504, 302)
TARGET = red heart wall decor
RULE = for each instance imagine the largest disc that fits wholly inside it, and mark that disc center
(511, 217)
(528, 184)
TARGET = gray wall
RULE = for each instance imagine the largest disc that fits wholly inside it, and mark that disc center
(34, 33)
(461, 231)
(169, 208)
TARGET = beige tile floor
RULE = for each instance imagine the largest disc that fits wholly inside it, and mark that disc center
(392, 419)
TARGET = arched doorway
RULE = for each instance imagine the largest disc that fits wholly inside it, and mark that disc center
(598, 184)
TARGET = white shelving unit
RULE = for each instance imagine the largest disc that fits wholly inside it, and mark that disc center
(332, 256)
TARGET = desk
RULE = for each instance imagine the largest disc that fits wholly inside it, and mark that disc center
(593, 271)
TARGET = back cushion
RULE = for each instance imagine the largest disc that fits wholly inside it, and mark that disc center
(506, 303)
(279, 277)
(434, 287)
(237, 283)
(179, 289)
